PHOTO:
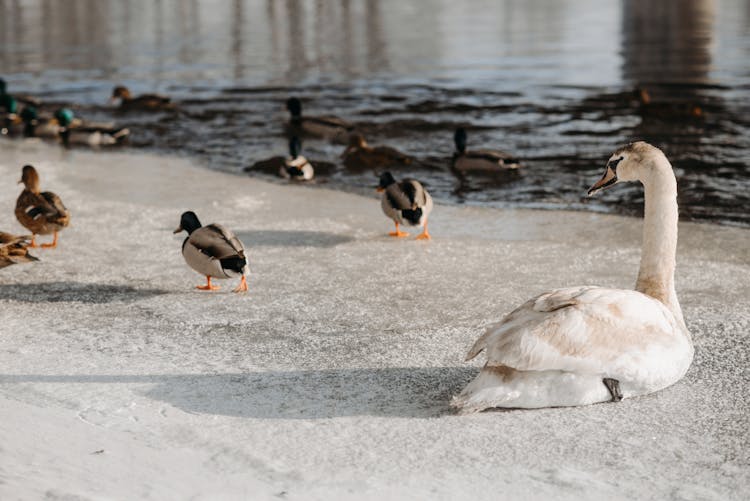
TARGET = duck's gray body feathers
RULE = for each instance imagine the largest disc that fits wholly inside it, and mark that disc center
(484, 160)
(407, 202)
(215, 251)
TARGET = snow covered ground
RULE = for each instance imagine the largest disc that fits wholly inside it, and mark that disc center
(331, 378)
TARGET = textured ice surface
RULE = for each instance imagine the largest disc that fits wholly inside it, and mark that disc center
(331, 378)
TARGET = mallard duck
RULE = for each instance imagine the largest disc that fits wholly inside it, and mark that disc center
(479, 160)
(24, 99)
(79, 133)
(213, 251)
(360, 155)
(327, 127)
(13, 249)
(583, 345)
(296, 166)
(10, 121)
(406, 202)
(36, 126)
(127, 102)
(41, 213)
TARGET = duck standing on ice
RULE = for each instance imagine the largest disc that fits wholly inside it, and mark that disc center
(583, 345)
(41, 212)
(213, 251)
(406, 202)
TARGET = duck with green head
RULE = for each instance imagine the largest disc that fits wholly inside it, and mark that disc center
(9, 118)
(39, 126)
(74, 131)
(22, 99)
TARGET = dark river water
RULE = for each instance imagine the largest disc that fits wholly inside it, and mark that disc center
(549, 81)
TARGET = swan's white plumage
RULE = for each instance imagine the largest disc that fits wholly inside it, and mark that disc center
(586, 331)
(557, 348)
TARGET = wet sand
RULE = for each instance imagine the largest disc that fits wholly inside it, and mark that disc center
(331, 378)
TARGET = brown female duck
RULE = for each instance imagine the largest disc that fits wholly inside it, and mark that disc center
(143, 102)
(360, 155)
(41, 212)
(13, 249)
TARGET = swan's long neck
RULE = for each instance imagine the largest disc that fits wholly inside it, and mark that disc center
(656, 275)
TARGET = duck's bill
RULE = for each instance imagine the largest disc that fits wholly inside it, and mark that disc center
(179, 229)
(608, 179)
(379, 189)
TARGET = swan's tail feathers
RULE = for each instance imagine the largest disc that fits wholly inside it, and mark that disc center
(489, 389)
(501, 386)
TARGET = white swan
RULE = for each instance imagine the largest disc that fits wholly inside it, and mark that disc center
(583, 345)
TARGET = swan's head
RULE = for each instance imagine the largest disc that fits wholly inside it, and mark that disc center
(626, 164)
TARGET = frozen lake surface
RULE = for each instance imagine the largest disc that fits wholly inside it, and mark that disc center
(331, 378)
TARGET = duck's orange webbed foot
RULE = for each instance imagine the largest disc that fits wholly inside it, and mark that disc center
(52, 245)
(425, 235)
(33, 244)
(398, 233)
(208, 286)
(243, 285)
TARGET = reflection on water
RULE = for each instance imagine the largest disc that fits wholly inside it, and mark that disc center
(668, 41)
(551, 82)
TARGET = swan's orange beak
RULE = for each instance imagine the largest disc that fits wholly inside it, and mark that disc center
(608, 179)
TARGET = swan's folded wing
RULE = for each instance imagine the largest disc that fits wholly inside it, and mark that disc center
(583, 329)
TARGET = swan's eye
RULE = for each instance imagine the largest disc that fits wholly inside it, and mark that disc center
(613, 163)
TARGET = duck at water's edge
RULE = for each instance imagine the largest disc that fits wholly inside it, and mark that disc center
(296, 167)
(406, 202)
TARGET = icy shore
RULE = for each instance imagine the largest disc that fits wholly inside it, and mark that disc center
(331, 378)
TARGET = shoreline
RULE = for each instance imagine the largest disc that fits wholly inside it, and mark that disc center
(331, 378)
